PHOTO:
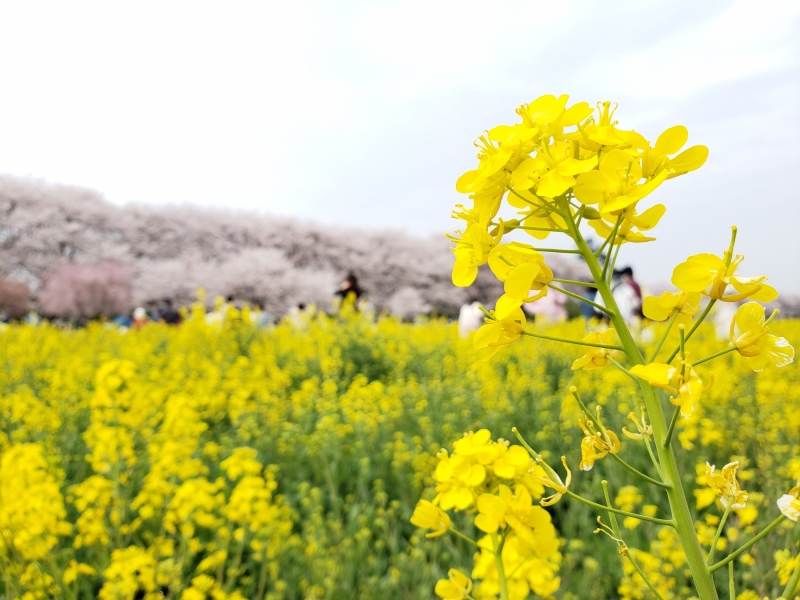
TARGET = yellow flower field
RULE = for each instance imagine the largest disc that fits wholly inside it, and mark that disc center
(224, 461)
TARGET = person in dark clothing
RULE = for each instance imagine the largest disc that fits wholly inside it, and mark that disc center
(350, 286)
(627, 277)
(169, 315)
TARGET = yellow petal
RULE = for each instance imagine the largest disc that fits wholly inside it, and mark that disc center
(592, 186)
(672, 140)
(520, 279)
(657, 374)
(697, 273)
(653, 309)
(576, 113)
(463, 273)
(554, 184)
(690, 159)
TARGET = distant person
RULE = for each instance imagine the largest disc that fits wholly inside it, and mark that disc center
(628, 301)
(587, 310)
(350, 287)
(301, 314)
(470, 318)
(627, 277)
(139, 318)
(551, 307)
(170, 315)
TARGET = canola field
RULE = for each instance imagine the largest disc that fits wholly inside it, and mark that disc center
(230, 462)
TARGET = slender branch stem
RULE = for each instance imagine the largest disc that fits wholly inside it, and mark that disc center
(610, 237)
(666, 522)
(548, 229)
(628, 553)
(731, 585)
(575, 342)
(653, 457)
(691, 331)
(719, 531)
(747, 546)
(463, 537)
(623, 369)
(614, 262)
(558, 250)
(579, 297)
(635, 471)
(671, 430)
(498, 560)
(573, 282)
(715, 355)
(663, 339)
(794, 580)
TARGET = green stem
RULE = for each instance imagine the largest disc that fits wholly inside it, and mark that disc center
(573, 282)
(731, 586)
(682, 516)
(557, 250)
(498, 561)
(747, 546)
(623, 369)
(599, 307)
(614, 262)
(575, 342)
(791, 586)
(624, 513)
(700, 319)
(464, 537)
(628, 553)
(548, 229)
(663, 339)
(713, 356)
(639, 473)
(652, 456)
(719, 531)
(671, 430)
(610, 237)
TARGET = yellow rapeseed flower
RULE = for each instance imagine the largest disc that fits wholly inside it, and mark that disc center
(711, 275)
(726, 484)
(456, 587)
(429, 516)
(596, 358)
(749, 335)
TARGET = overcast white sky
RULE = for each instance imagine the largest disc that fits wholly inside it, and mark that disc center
(364, 113)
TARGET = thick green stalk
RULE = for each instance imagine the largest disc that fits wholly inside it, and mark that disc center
(681, 515)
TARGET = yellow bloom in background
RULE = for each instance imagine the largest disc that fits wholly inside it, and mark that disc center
(596, 358)
(707, 273)
(76, 569)
(726, 484)
(789, 504)
(456, 587)
(661, 308)
(749, 335)
(500, 331)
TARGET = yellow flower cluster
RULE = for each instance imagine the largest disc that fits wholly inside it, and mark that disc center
(289, 460)
(480, 475)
